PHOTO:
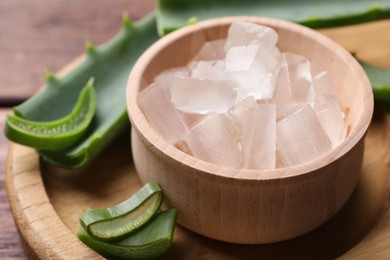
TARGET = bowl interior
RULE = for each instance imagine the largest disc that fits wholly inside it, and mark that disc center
(179, 47)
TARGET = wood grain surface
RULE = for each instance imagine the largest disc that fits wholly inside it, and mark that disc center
(40, 34)
(10, 243)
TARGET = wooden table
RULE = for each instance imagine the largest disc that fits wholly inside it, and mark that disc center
(38, 35)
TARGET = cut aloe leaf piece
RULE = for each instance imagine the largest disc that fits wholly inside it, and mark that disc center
(173, 14)
(124, 218)
(110, 65)
(58, 133)
(151, 241)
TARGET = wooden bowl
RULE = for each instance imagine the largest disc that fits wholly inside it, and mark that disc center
(252, 206)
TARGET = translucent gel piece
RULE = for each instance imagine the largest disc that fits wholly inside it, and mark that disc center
(165, 78)
(330, 116)
(266, 60)
(253, 56)
(282, 94)
(191, 119)
(216, 140)
(203, 96)
(241, 108)
(161, 113)
(244, 33)
(279, 163)
(254, 69)
(259, 86)
(324, 87)
(300, 137)
(207, 69)
(211, 50)
(257, 123)
(329, 108)
(294, 83)
(241, 58)
(287, 109)
(300, 78)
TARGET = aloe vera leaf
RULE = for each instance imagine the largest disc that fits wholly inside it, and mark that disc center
(58, 133)
(380, 81)
(151, 241)
(124, 218)
(172, 14)
(110, 65)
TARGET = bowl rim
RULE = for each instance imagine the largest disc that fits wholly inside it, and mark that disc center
(206, 169)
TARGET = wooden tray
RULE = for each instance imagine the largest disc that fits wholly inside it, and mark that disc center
(46, 202)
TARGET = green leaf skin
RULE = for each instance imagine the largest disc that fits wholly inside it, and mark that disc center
(124, 218)
(380, 81)
(173, 14)
(151, 241)
(55, 134)
(110, 65)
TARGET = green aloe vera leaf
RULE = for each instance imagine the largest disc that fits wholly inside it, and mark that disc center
(110, 65)
(151, 241)
(58, 133)
(124, 218)
(380, 81)
(172, 14)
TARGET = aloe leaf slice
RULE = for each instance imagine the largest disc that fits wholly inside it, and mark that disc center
(58, 133)
(124, 218)
(173, 14)
(110, 65)
(151, 241)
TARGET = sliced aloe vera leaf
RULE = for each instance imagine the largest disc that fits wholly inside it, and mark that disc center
(58, 133)
(173, 14)
(124, 218)
(151, 241)
(110, 65)
(380, 81)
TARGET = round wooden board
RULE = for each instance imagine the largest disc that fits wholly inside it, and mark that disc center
(46, 202)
